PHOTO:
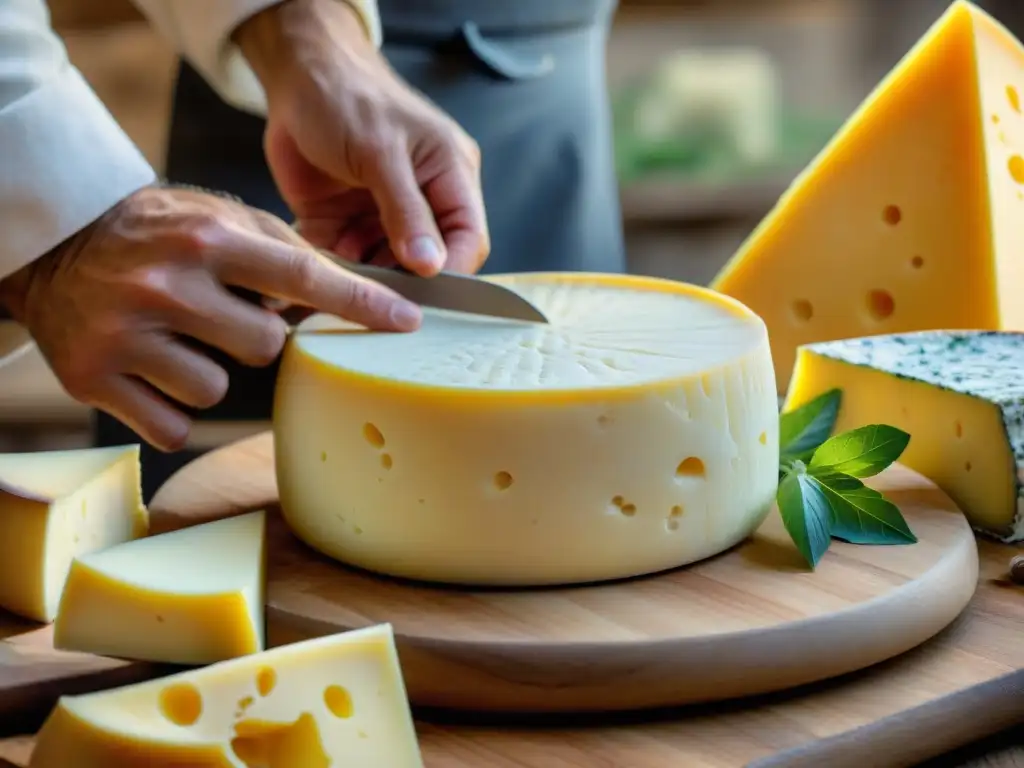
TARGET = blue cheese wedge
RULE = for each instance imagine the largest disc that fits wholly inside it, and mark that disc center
(960, 395)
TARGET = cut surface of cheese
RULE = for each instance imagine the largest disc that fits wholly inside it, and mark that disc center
(56, 505)
(326, 703)
(912, 218)
(636, 432)
(960, 396)
(192, 596)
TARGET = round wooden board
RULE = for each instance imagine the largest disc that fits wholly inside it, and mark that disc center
(749, 621)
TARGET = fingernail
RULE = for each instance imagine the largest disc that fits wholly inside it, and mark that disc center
(406, 316)
(425, 251)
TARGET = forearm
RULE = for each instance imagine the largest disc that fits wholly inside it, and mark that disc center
(65, 161)
(209, 34)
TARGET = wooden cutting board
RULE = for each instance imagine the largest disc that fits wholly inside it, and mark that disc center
(962, 685)
(749, 621)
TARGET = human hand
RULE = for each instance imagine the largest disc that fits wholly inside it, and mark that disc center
(114, 307)
(371, 169)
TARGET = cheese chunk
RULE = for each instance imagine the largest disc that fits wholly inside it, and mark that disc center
(960, 396)
(637, 432)
(331, 702)
(193, 596)
(912, 218)
(56, 505)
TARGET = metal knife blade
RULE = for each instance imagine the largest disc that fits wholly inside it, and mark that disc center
(447, 290)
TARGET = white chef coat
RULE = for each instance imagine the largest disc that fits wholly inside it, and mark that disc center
(64, 161)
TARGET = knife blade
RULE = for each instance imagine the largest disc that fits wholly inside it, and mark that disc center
(447, 290)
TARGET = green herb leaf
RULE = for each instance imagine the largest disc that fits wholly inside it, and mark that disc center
(806, 513)
(805, 428)
(861, 452)
(861, 515)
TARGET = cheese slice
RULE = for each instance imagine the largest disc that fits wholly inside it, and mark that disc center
(960, 396)
(636, 432)
(56, 505)
(330, 702)
(912, 218)
(192, 596)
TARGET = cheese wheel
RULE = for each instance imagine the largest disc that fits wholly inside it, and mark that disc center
(637, 432)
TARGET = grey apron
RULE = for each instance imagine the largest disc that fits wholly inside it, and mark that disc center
(525, 78)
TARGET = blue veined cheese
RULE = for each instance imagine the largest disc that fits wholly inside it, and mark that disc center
(960, 395)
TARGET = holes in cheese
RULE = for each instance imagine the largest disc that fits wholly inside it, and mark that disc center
(884, 194)
(881, 304)
(181, 703)
(964, 391)
(803, 310)
(892, 215)
(1016, 167)
(266, 679)
(336, 701)
(373, 435)
(56, 505)
(534, 453)
(692, 466)
(503, 480)
(192, 596)
(280, 745)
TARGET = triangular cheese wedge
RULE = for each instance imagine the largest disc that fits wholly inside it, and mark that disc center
(912, 218)
(56, 505)
(192, 596)
(326, 703)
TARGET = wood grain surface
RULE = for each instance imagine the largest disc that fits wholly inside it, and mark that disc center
(962, 685)
(747, 622)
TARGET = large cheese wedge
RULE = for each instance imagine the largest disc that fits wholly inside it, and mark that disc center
(912, 218)
(326, 703)
(192, 596)
(960, 396)
(56, 505)
(636, 432)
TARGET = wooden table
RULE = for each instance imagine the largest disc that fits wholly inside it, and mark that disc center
(920, 705)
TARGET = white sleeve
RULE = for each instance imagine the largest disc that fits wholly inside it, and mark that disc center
(200, 30)
(64, 161)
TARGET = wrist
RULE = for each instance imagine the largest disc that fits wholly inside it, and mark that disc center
(296, 35)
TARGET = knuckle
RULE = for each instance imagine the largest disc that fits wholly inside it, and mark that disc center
(199, 233)
(363, 299)
(154, 287)
(303, 272)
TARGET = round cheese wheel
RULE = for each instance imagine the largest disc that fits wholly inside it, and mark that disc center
(635, 433)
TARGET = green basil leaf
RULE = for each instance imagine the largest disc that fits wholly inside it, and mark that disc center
(861, 452)
(805, 428)
(861, 515)
(806, 513)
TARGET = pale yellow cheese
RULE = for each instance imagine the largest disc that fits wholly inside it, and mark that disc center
(192, 596)
(912, 218)
(56, 505)
(637, 432)
(333, 702)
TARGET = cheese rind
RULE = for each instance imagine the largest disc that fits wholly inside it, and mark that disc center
(192, 596)
(960, 396)
(637, 432)
(56, 505)
(912, 218)
(334, 701)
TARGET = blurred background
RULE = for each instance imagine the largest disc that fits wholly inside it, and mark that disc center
(718, 105)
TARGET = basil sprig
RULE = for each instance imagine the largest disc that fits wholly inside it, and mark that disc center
(821, 496)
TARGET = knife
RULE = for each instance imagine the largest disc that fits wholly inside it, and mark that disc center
(448, 290)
